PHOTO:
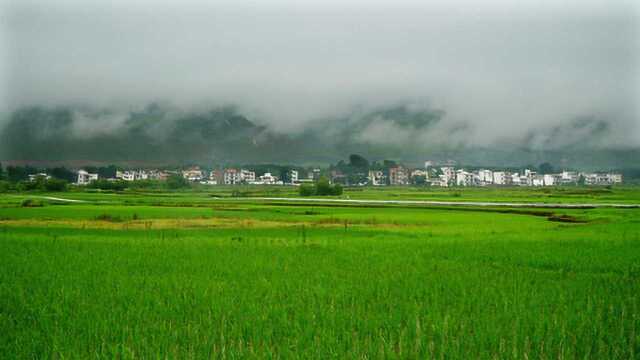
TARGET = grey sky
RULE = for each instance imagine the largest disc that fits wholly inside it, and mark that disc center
(502, 67)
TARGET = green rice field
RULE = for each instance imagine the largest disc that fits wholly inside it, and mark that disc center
(218, 273)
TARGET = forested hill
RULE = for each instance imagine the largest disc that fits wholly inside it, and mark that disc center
(161, 134)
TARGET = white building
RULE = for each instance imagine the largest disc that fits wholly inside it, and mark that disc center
(133, 175)
(247, 176)
(528, 177)
(569, 177)
(499, 178)
(449, 175)
(34, 177)
(602, 178)
(377, 178)
(442, 181)
(464, 178)
(268, 179)
(419, 172)
(293, 176)
(515, 179)
(485, 177)
(616, 178)
(193, 174)
(549, 180)
(127, 175)
(85, 178)
(537, 180)
(231, 177)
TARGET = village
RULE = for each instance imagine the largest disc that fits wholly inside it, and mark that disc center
(447, 175)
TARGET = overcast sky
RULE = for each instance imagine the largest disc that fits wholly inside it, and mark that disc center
(503, 67)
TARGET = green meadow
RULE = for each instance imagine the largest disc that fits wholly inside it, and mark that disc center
(217, 273)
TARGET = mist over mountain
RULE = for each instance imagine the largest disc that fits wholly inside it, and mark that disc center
(490, 83)
(167, 134)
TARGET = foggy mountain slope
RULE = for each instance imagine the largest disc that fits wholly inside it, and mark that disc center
(497, 83)
(407, 133)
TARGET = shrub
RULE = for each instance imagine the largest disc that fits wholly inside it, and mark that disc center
(4, 186)
(55, 185)
(107, 217)
(177, 182)
(307, 190)
(104, 184)
(321, 188)
(31, 203)
(29, 186)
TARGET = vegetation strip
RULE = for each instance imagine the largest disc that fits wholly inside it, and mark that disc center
(448, 203)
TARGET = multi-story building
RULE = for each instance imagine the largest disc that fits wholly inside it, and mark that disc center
(464, 178)
(231, 177)
(398, 175)
(537, 180)
(193, 174)
(267, 179)
(377, 178)
(549, 179)
(499, 178)
(448, 176)
(85, 177)
(293, 176)
(34, 177)
(569, 177)
(485, 177)
(127, 175)
(247, 176)
(601, 178)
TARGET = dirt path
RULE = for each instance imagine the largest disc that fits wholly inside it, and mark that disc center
(450, 203)
(61, 199)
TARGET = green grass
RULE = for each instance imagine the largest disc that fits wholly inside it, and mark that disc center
(323, 282)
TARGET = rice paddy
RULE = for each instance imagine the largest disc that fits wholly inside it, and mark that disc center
(198, 274)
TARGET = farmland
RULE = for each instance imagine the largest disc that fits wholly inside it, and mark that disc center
(220, 273)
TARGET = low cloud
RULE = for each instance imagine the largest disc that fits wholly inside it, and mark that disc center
(495, 73)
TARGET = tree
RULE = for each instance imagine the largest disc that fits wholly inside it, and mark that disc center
(389, 163)
(358, 162)
(55, 185)
(545, 168)
(323, 187)
(307, 190)
(19, 173)
(177, 182)
(107, 172)
(4, 186)
(104, 184)
(63, 173)
(420, 180)
(1, 172)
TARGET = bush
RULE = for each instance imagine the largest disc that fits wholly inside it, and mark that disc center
(177, 182)
(109, 218)
(307, 190)
(321, 188)
(4, 186)
(29, 186)
(103, 184)
(31, 203)
(55, 185)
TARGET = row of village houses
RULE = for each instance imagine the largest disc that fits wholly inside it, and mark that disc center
(450, 176)
(395, 176)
